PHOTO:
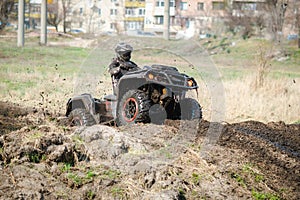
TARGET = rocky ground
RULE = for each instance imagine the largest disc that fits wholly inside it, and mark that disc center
(42, 158)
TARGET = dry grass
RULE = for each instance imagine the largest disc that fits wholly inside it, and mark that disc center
(277, 100)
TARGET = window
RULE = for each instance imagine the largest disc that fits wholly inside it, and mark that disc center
(200, 6)
(172, 3)
(81, 11)
(129, 11)
(159, 20)
(183, 6)
(99, 11)
(218, 5)
(35, 10)
(160, 3)
(142, 11)
(249, 6)
(113, 26)
(132, 26)
(113, 12)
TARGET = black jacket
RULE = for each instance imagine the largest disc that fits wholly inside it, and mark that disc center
(118, 67)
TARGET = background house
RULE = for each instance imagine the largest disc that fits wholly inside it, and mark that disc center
(188, 18)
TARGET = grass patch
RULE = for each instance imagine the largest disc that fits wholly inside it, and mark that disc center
(77, 180)
(239, 179)
(232, 74)
(18, 86)
(249, 169)
(36, 135)
(36, 56)
(90, 194)
(196, 178)
(34, 157)
(111, 174)
(90, 174)
(66, 167)
(264, 196)
(282, 74)
(297, 122)
(117, 192)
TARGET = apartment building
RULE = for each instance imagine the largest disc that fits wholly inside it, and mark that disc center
(203, 15)
(199, 15)
(119, 16)
(188, 15)
(248, 7)
(154, 16)
(96, 16)
(107, 15)
(134, 15)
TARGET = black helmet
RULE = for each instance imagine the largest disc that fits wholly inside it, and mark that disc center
(123, 51)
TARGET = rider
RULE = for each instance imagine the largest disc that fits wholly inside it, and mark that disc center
(121, 64)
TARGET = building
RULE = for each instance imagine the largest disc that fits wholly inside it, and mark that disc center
(187, 17)
(134, 15)
(198, 16)
(154, 16)
(98, 16)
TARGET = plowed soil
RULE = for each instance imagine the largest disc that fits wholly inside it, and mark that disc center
(43, 158)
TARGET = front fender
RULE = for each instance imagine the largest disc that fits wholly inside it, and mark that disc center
(84, 101)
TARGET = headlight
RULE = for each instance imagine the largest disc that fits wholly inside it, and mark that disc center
(157, 77)
(190, 83)
(150, 76)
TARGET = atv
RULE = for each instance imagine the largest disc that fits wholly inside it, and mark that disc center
(148, 95)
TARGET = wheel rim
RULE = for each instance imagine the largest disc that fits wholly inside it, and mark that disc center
(130, 110)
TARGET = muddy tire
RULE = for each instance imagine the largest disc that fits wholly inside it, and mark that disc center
(81, 117)
(133, 107)
(158, 114)
(190, 109)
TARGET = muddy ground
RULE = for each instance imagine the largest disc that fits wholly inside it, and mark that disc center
(42, 158)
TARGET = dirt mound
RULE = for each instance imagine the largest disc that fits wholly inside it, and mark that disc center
(41, 159)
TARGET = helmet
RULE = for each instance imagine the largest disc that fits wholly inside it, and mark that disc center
(123, 51)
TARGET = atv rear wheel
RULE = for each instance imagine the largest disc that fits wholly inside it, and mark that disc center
(81, 117)
(133, 107)
(190, 109)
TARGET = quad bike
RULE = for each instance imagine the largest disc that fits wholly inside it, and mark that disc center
(148, 95)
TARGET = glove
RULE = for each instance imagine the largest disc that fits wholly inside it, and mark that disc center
(114, 70)
(127, 65)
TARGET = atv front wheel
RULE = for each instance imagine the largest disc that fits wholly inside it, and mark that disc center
(133, 107)
(81, 117)
(190, 109)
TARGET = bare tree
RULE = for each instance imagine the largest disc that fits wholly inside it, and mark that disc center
(276, 10)
(65, 9)
(262, 59)
(238, 19)
(93, 10)
(260, 23)
(292, 18)
(54, 17)
(6, 6)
